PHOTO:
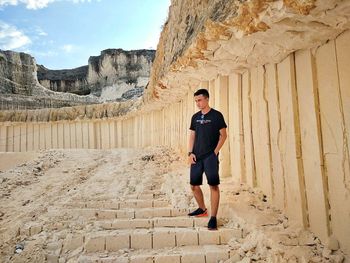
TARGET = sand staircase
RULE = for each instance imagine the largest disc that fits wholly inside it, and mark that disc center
(139, 228)
(127, 210)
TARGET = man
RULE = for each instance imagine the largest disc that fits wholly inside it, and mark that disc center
(207, 135)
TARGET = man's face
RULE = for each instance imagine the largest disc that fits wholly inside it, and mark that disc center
(201, 101)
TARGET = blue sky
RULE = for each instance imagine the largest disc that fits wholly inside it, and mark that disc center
(63, 34)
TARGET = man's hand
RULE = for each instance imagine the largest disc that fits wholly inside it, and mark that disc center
(191, 159)
(222, 138)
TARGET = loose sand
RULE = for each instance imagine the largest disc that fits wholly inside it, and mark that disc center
(10, 159)
(38, 189)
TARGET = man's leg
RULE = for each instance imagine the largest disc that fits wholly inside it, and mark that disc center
(211, 168)
(198, 195)
(214, 199)
(196, 179)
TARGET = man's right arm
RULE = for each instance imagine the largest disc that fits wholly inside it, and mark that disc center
(192, 157)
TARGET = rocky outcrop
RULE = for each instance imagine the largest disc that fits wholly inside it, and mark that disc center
(17, 73)
(107, 76)
(65, 80)
(20, 88)
(79, 112)
(115, 75)
(203, 39)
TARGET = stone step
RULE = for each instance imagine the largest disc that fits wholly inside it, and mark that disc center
(179, 221)
(98, 214)
(145, 195)
(115, 204)
(188, 254)
(30, 229)
(156, 238)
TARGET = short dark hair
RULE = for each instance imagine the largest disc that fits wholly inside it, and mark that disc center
(203, 92)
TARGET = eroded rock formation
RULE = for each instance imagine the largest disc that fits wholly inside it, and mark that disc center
(65, 80)
(114, 75)
(202, 39)
(20, 89)
(16, 73)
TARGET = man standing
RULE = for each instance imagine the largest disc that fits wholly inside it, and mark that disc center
(207, 135)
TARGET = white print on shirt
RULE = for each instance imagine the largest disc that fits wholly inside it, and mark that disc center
(203, 121)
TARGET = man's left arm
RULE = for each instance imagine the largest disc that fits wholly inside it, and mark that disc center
(222, 138)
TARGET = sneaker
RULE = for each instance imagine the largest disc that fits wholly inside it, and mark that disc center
(212, 224)
(199, 212)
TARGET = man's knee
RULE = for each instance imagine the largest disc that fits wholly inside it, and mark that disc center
(214, 187)
(195, 187)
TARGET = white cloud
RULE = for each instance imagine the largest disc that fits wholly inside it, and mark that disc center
(67, 48)
(30, 4)
(43, 54)
(37, 4)
(8, 2)
(40, 32)
(12, 38)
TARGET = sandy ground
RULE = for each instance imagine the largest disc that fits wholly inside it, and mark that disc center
(10, 159)
(36, 186)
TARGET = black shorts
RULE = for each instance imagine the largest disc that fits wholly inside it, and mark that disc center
(208, 165)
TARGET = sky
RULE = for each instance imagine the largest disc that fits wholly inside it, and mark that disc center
(63, 34)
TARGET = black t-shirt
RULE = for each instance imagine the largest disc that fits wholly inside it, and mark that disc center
(206, 127)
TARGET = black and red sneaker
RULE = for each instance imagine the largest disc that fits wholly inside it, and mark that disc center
(199, 212)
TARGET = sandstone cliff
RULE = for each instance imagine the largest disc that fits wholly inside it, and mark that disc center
(114, 75)
(20, 89)
(65, 80)
(16, 73)
(201, 39)
(90, 111)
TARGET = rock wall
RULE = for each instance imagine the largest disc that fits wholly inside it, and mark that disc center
(19, 85)
(201, 39)
(114, 75)
(65, 80)
(79, 112)
(17, 73)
